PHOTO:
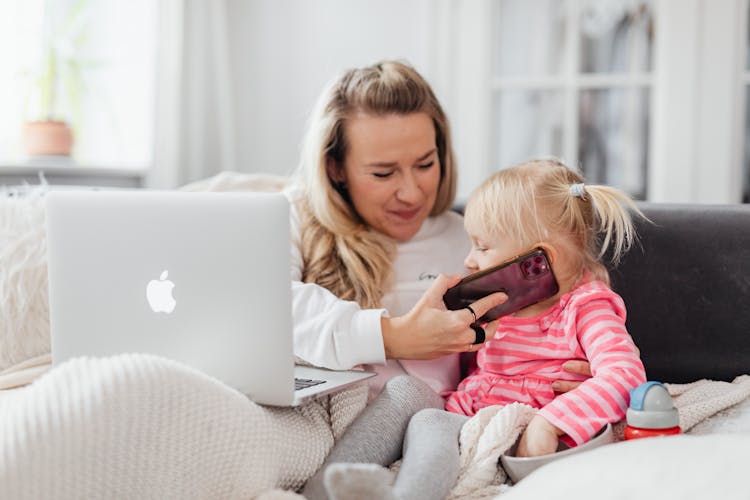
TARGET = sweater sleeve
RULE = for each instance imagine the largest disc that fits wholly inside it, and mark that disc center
(599, 324)
(327, 331)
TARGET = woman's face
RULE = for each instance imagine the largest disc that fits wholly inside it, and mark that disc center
(391, 171)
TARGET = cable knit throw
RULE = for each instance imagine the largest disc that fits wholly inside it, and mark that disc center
(139, 426)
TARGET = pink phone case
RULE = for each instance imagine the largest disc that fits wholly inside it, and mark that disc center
(526, 280)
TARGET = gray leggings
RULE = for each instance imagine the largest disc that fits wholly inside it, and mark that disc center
(430, 464)
(407, 417)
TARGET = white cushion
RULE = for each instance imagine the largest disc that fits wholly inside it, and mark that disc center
(676, 467)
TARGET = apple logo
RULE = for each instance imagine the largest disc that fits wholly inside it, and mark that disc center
(159, 294)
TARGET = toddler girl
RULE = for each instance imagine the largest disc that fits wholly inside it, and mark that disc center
(539, 204)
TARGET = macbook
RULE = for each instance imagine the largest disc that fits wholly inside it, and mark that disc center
(200, 278)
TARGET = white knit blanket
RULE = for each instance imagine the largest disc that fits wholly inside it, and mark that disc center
(139, 426)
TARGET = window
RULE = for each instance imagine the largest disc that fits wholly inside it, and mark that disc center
(578, 89)
(20, 38)
(106, 77)
(647, 95)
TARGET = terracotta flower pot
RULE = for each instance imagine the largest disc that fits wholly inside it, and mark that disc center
(47, 138)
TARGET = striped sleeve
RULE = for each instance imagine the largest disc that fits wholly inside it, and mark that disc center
(615, 365)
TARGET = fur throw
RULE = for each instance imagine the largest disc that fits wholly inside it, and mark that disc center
(24, 306)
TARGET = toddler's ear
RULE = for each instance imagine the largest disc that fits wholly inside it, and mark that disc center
(552, 252)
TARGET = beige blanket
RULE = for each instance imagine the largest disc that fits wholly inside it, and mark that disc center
(140, 426)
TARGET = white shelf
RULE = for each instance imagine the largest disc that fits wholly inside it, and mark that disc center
(58, 171)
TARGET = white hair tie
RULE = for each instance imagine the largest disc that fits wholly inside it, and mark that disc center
(578, 190)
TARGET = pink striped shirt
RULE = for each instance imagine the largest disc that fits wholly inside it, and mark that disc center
(525, 356)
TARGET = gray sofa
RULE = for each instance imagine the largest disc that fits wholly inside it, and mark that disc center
(687, 291)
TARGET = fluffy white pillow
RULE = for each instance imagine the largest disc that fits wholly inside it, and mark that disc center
(24, 305)
(676, 467)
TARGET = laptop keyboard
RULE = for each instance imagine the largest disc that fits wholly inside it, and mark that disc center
(304, 383)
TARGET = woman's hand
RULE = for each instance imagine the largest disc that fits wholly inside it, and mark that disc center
(539, 438)
(578, 367)
(429, 330)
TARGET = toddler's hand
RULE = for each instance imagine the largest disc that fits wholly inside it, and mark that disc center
(539, 438)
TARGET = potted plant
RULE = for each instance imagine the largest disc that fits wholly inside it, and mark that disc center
(56, 85)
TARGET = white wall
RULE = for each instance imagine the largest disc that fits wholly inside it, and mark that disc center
(283, 52)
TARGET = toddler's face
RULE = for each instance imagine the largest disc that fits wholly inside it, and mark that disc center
(487, 251)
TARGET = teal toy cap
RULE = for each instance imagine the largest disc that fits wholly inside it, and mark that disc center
(651, 407)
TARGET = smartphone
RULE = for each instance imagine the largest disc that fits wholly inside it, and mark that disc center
(526, 279)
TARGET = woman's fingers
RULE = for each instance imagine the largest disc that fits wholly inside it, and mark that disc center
(564, 385)
(576, 366)
(484, 304)
(434, 295)
(429, 330)
(491, 326)
(579, 367)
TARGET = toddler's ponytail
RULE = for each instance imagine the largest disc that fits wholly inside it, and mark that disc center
(614, 223)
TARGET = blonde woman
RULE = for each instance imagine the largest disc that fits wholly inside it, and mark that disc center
(539, 204)
(375, 233)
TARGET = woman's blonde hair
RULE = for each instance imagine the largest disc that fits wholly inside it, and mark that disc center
(545, 201)
(339, 250)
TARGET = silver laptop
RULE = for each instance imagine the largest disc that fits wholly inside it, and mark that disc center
(200, 278)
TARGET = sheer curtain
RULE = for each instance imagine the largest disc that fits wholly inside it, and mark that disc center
(195, 126)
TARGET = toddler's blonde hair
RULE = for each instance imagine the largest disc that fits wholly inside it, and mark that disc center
(545, 201)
